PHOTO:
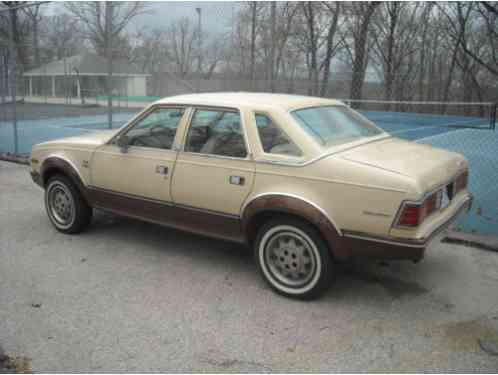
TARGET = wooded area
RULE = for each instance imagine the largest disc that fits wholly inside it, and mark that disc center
(377, 50)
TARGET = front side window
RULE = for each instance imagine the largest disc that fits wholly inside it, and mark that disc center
(157, 129)
(333, 125)
(273, 139)
(216, 132)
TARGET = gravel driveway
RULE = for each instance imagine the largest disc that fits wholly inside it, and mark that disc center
(130, 296)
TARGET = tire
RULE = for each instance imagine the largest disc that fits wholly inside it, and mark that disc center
(293, 258)
(66, 208)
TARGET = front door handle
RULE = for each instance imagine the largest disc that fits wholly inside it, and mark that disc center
(162, 169)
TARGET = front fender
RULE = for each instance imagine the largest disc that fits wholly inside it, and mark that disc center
(55, 164)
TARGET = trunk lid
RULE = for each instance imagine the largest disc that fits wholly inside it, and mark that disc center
(429, 166)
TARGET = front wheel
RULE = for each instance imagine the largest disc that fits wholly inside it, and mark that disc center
(293, 258)
(66, 208)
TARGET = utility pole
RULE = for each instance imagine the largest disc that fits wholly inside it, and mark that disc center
(199, 47)
(108, 49)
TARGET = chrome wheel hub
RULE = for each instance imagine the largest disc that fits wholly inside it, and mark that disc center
(290, 259)
(61, 204)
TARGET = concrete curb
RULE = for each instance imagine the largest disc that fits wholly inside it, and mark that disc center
(489, 243)
(7, 156)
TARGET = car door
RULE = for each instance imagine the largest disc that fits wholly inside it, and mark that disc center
(145, 168)
(214, 170)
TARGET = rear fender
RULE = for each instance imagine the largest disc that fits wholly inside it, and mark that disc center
(281, 203)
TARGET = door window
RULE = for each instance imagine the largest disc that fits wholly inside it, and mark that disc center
(273, 139)
(157, 129)
(216, 132)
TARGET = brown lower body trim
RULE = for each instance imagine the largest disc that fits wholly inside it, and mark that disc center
(191, 220)
(382, 250)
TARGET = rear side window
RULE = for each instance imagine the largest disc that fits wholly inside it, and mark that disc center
(273, 139)
(216, 132)
(334, 125)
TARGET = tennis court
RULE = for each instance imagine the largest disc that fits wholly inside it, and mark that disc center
(471, 136)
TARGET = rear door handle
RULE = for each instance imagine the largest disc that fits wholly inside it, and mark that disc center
(162, 169)
(237, 180)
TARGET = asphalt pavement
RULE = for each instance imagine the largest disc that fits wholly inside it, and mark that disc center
(132, 296)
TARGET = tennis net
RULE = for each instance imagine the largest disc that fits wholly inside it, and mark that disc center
(478, 115)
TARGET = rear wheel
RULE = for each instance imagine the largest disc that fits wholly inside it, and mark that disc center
(66, 208)
(293, 258)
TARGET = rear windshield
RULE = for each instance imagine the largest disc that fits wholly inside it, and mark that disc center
(334, 125)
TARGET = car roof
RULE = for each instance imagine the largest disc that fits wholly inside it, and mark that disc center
(255, 99)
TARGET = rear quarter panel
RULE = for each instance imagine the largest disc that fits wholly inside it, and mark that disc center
(350, 194)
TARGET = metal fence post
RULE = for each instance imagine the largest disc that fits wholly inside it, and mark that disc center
(109, 49)
(3, 82)
(13, 80)
(493, 117)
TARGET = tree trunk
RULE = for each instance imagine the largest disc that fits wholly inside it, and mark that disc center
(273, 20)
(312, 48)
(330, 46)
(389, 69)
(253, 38)
(359, 65)
(425, 20)
(462, 23)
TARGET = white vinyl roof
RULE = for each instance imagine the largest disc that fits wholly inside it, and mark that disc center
(235, 99)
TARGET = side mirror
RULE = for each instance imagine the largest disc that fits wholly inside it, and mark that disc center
(123, 143)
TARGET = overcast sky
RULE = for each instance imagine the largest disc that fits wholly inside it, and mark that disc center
(216, 15)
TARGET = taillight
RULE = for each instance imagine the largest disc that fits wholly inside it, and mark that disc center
(461, 182)
(413, 215)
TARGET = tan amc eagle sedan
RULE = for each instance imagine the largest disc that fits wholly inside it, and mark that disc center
(304, 181)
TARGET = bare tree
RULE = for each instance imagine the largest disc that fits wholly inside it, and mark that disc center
(395, 25)
(271, 62)
(488, 13)
(182, 35)
(13, 21)
(34, 16)
(359, 16)
(60, 36)
(254, 14)
(331, 45)
(92, 16)
(309, 11)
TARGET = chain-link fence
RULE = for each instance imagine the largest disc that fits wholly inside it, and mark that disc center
(63, 95)
(59, 91)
